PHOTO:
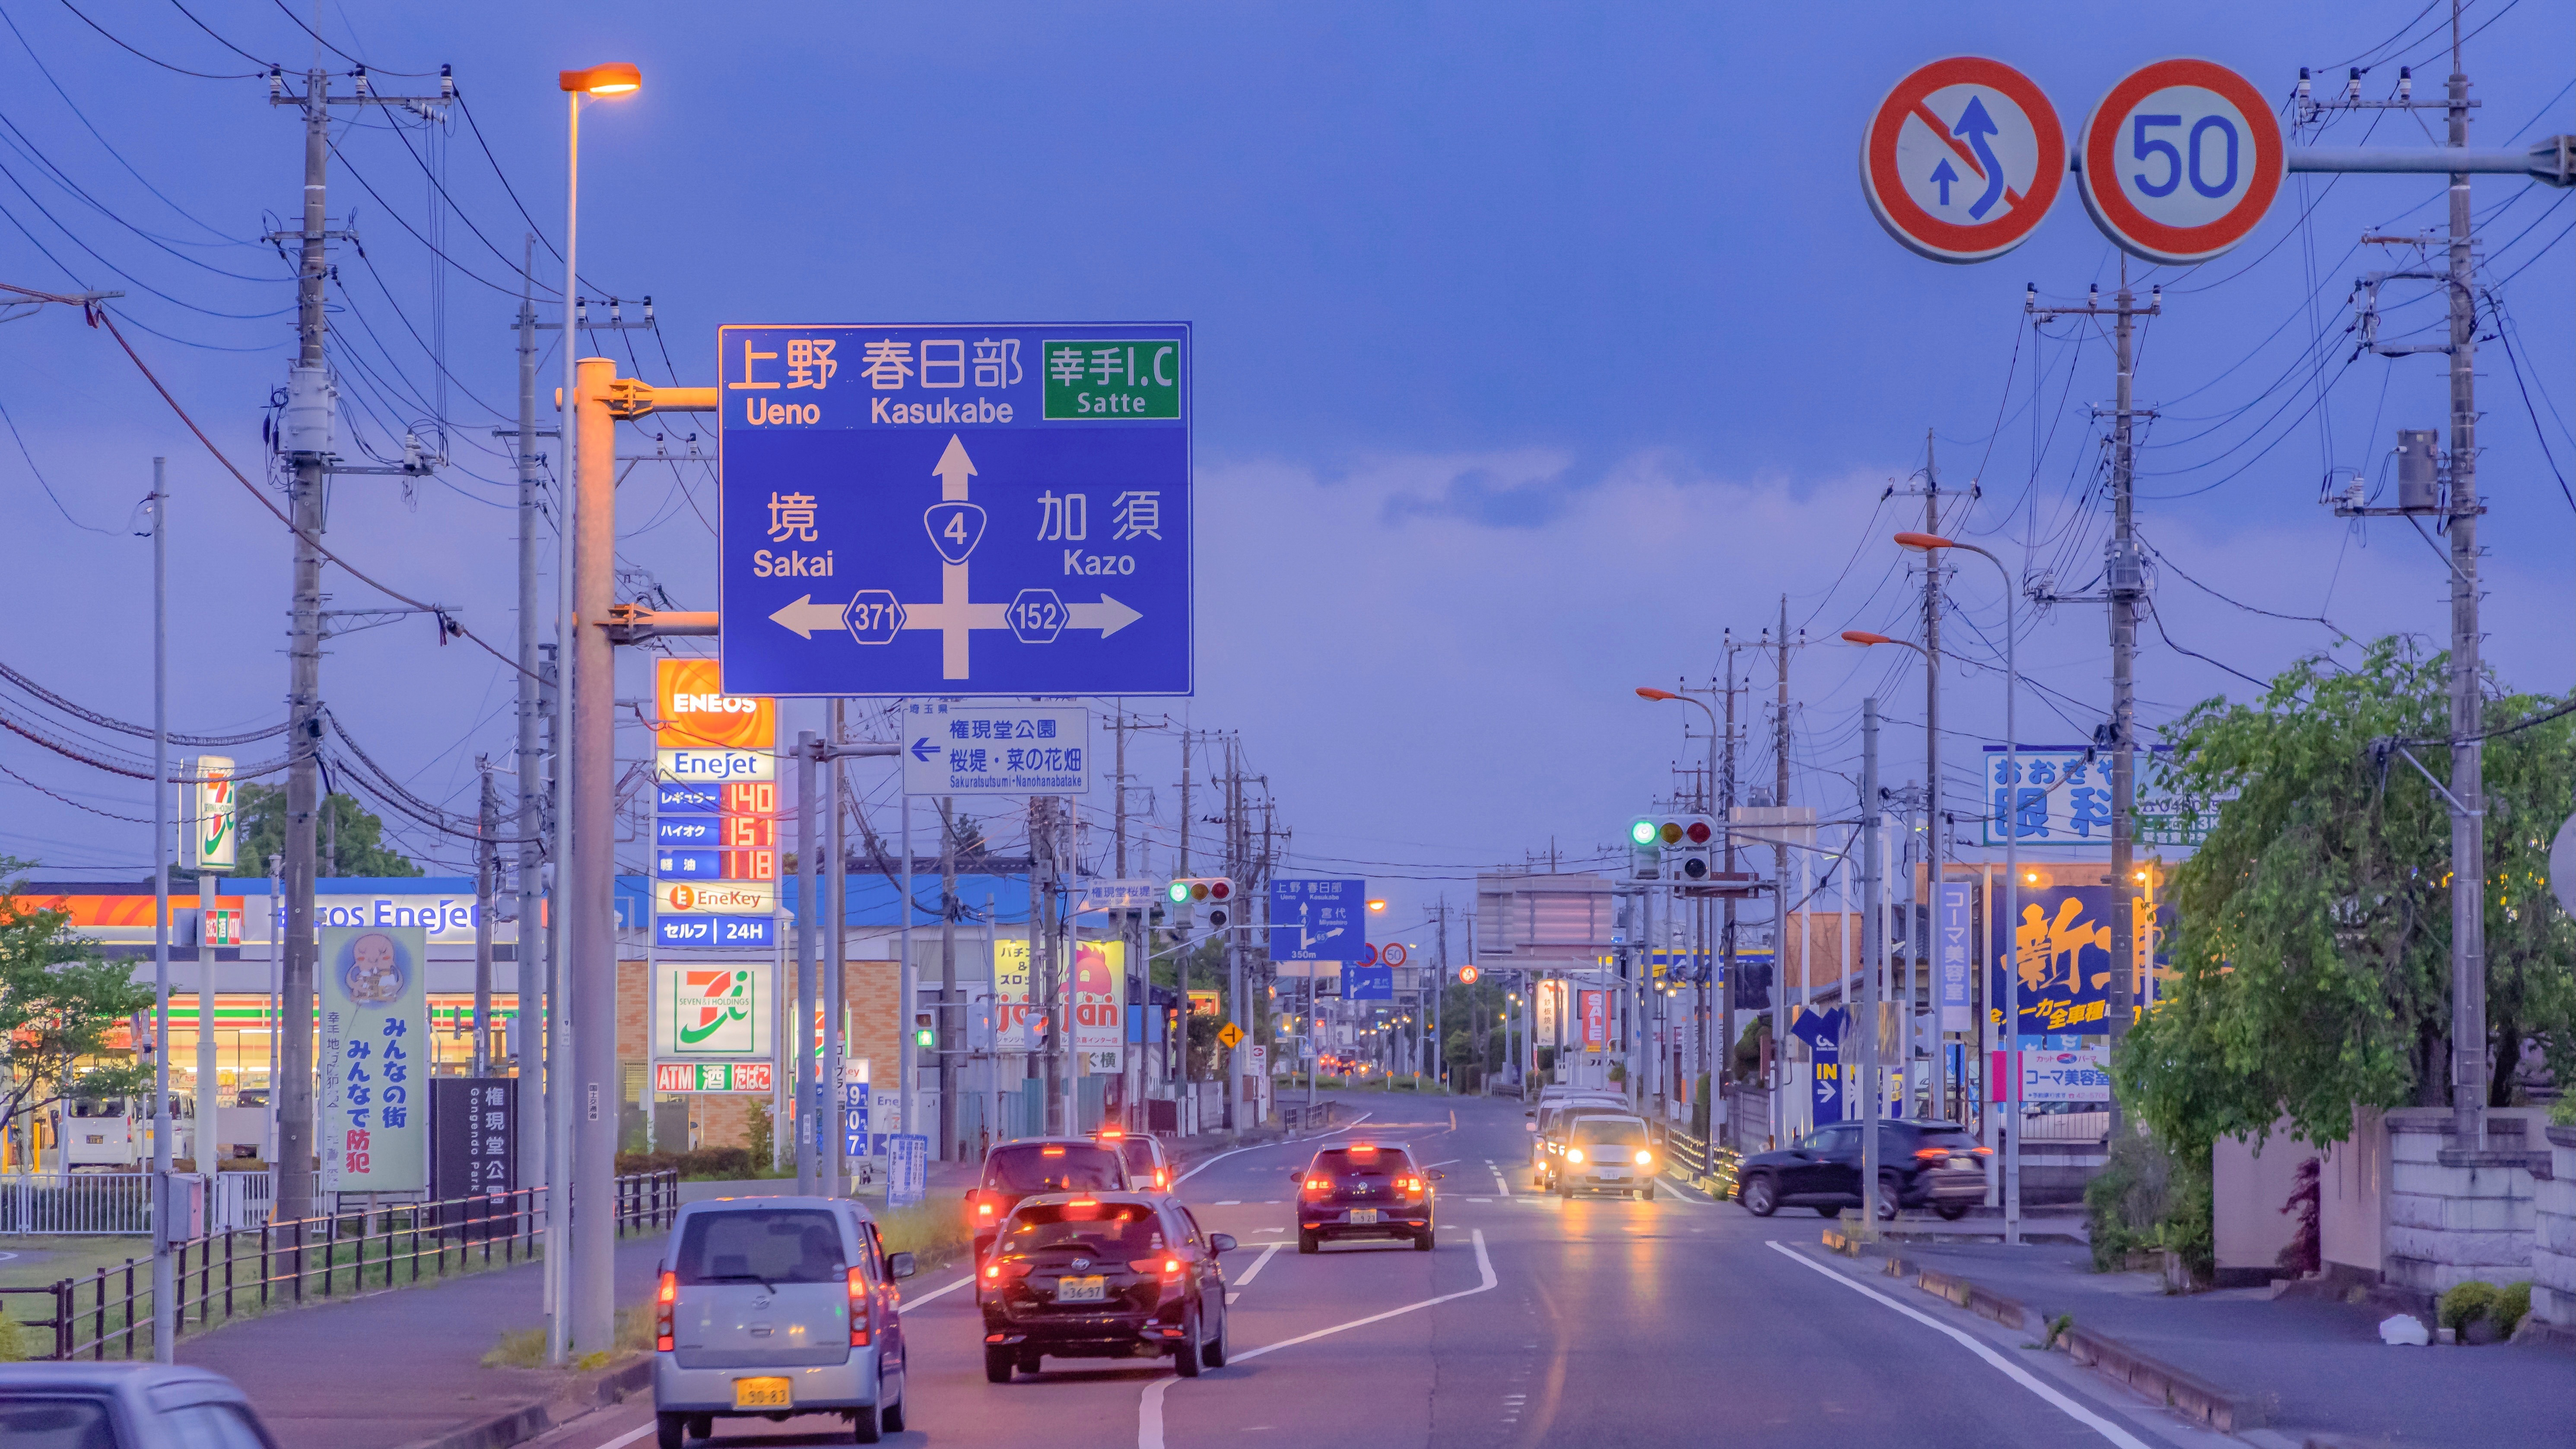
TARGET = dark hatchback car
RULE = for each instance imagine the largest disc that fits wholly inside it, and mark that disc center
(1149, 1166)
(1102, 1275)
(1015, 1170)
(1920, 1164)
(1364, 1190)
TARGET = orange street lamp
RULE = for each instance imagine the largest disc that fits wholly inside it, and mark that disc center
(1644, 692)
(2011, 822)
(585, 1155)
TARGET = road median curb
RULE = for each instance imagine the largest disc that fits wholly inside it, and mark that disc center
(586, 1394)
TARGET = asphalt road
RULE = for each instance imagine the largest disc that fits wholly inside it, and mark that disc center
(1536, 1322)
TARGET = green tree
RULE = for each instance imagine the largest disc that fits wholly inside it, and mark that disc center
(350, 839)
(58, 1000)
(2312, 949)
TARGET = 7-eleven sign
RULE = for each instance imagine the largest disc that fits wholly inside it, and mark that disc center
(715, 1011)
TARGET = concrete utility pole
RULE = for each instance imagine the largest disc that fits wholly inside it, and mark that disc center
(1780, 897)
(2468, 814)
(828, 1120)
(1234, 870)
(2124, 586)
(1873, 955)
(1931, 891)
(529, 1039)
(165, 1318)
(487, 872)
(950, 1037)
(1722, 805)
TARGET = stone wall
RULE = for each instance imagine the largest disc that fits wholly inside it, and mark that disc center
(2458, 1213)
(2553, 1251)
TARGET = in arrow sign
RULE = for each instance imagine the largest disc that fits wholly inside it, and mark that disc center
(923, 750)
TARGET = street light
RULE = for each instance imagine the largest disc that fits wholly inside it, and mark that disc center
(2012, 878)
(585, 1303)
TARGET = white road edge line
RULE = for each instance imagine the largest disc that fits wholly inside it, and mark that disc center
(949, 1287)
(1980, 1348)
(629, 1437)
(1282, 1142)
(1149, 1408)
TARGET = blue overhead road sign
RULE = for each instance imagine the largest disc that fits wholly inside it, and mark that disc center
(956, 510)
(1318, 920)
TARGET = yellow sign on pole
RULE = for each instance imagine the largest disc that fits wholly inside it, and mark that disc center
(1230, 1034)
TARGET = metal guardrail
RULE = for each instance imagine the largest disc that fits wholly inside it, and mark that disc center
(76, 1203)
(1297, 1117)
(1712, 1167)
(240, 1272)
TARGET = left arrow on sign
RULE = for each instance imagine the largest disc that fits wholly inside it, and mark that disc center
(923, 750)
(805, 616)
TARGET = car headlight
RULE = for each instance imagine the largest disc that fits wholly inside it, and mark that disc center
(1644, 1157)
(1574, 1154)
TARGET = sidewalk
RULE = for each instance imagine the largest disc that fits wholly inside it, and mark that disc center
(398, 1367)
(2315, 1368)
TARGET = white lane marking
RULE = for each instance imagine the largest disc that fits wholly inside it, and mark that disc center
(1149, 1408)
(629, 1437)
(949, 1287)
(1283, 1142)
(1981, 1349)
(1229, 1202)
(1257, 1265)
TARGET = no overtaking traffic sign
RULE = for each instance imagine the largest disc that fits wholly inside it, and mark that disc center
(1963, 159)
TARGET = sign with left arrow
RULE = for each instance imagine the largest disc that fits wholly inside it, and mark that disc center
(956, 510)
(998, 749)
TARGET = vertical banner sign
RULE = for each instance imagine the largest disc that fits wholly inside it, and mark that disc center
(474, 1124)
(207, 840)
(2061, 948)
(907, 1169)
(374, 1064)
(1595, 1008)
(955, 510)
(1019, 1021)
(854, 1119)
(715, 812)
(1952, 928)
(1099, 996)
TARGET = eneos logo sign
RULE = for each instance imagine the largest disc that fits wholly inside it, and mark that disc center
(693, 713)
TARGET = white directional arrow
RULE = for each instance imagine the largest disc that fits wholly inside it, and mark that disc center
(953, 468)
(805, 616)
(1108, 616)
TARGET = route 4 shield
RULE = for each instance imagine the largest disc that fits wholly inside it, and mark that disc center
(2180, 161)
(1963, 159)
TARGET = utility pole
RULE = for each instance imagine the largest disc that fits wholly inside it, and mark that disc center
(311, 400)
(2124, 586)
(950, 1022)
(1873, 953)
(1780, 898)
(533, 761)
(2468, 787)
(487, 871)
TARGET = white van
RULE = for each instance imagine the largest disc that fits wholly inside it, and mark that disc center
(116, 1132)
(770, 1307)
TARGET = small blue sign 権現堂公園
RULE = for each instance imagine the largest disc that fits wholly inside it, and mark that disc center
(956, 510)
(988, 749)
(1318, 920)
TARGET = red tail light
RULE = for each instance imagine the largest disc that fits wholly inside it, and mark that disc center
(996, 1272)
(1931, 1154)
(862, 1310)
(1164, 1266)
(665, 1299)
(1319, 1184)
(1410, 1185)
(1160, 1178)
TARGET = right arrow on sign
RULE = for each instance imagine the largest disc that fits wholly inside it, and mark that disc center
(1108, 616)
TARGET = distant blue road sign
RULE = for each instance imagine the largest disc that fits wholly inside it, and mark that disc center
(1318, 920)
(1368, 983)
(956, 510)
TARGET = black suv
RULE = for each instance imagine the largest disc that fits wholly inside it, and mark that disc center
(1102, 1275)
(1030, 1165)
(1920, 1164)
(1364, 1190)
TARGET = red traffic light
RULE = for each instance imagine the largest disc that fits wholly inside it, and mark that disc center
(1220, 889)
(1698, 832)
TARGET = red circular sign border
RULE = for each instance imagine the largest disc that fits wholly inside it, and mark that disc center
(1919, 230)
(2133, 230)
(1391, 954)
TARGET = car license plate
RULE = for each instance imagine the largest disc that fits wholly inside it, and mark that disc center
(1961, 1163)
(760, 1394)
(1364, 1215)
(1093, 1288)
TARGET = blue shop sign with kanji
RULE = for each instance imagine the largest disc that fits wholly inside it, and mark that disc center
(2063, 797)
(956, 510)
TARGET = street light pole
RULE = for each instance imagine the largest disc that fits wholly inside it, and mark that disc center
(2011, 821)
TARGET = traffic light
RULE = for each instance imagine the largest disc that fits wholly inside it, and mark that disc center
(1214, 892)
(1645, 850)
(1687, 842)
(923, 1036)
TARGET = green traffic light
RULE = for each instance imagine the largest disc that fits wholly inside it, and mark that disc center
(1643, 832)
(1179, 892)
(921, 1038)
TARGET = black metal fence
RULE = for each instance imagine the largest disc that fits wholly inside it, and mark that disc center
(248, 1271)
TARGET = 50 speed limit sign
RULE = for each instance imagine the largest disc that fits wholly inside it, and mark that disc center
(2180, 161)
(1963, 159)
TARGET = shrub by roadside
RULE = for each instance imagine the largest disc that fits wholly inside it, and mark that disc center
(704, 1164)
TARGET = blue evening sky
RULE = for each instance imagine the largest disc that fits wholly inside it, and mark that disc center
(1539, 346)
